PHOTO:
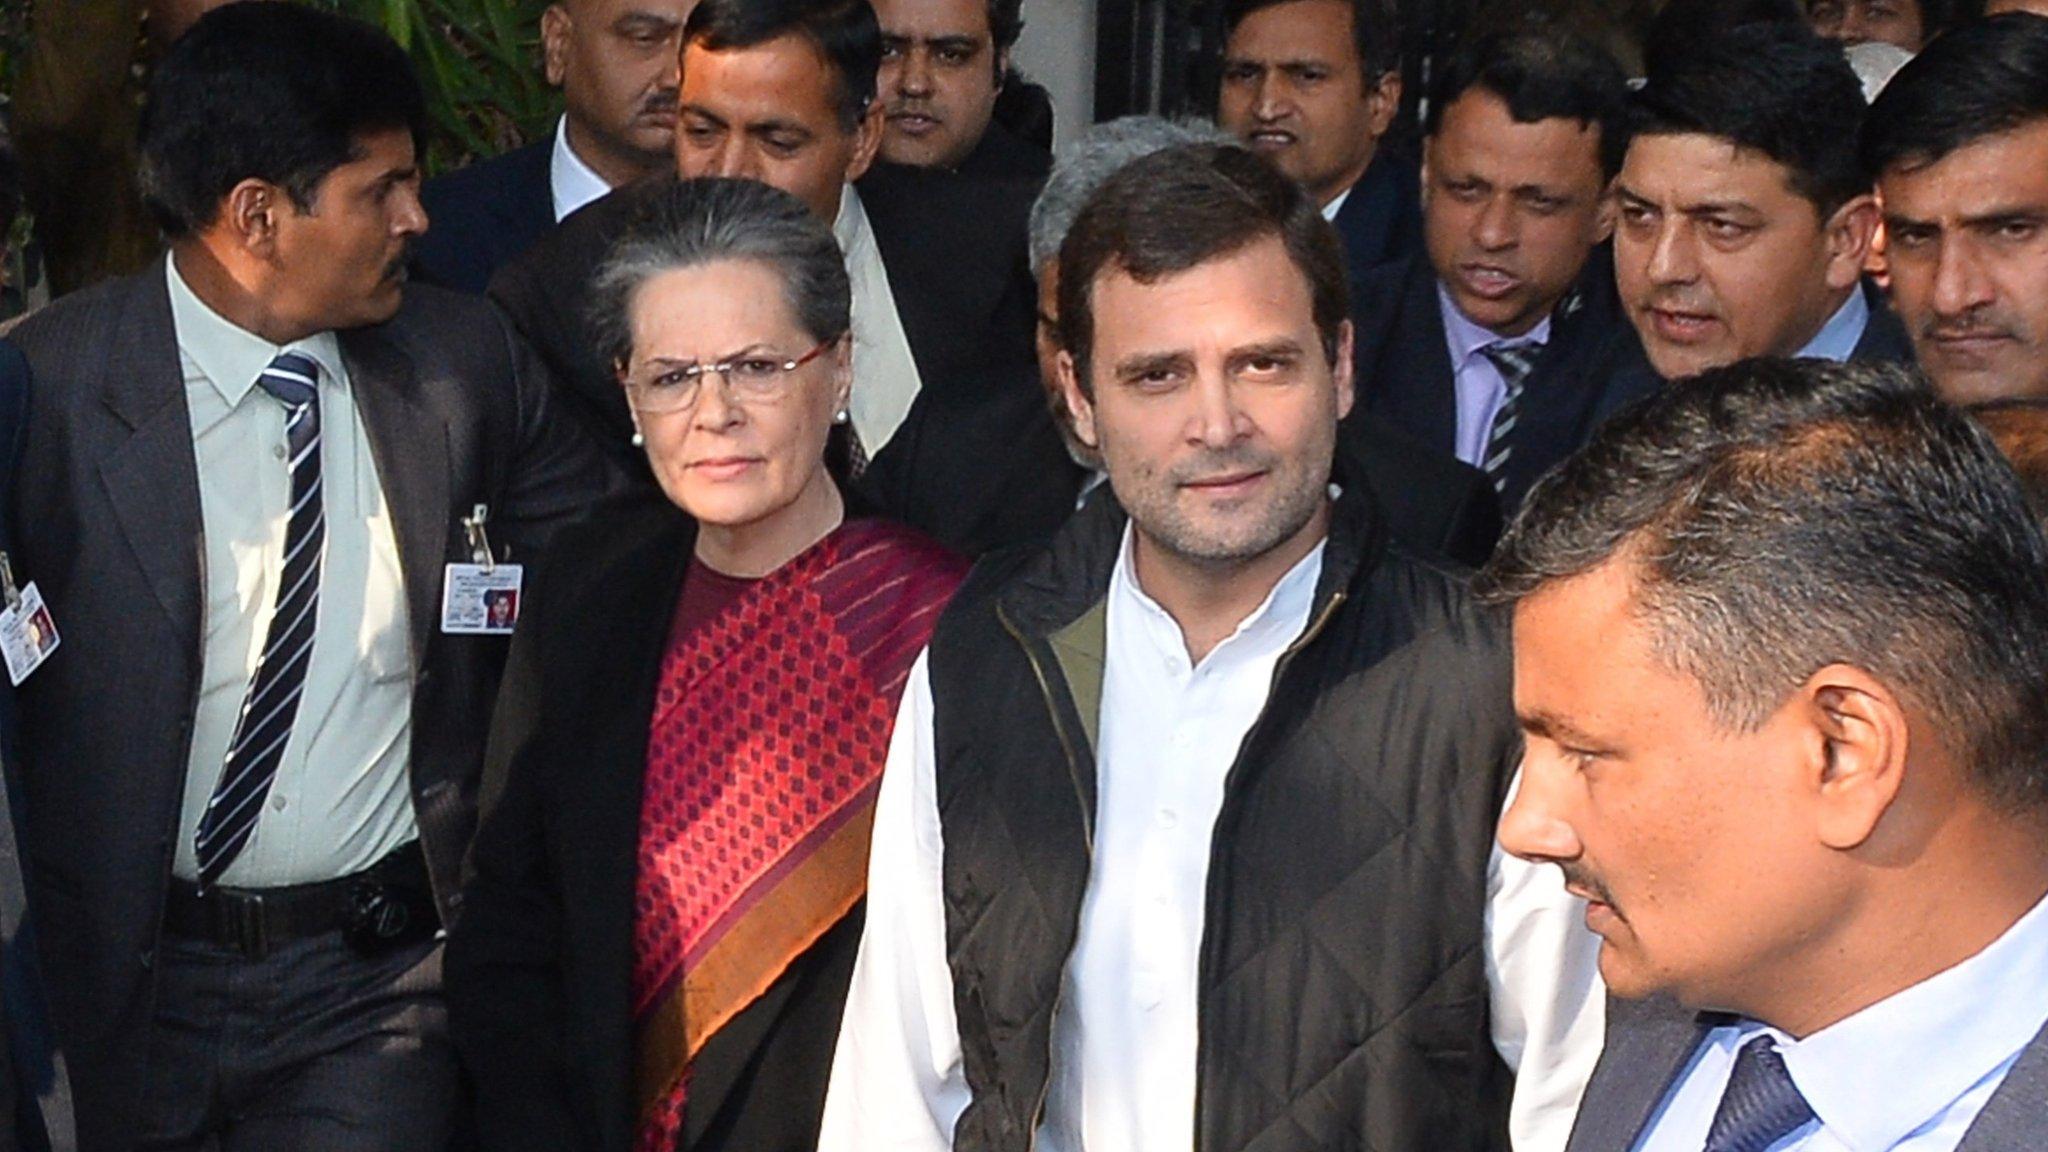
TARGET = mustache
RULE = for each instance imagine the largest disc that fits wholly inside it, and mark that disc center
(1577, 878)
(1976, 323)
(661, 100)
(1211, 462)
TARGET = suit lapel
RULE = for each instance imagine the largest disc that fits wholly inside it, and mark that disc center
(409, 443)
(152, 478)
(1414, 380)
(1884, 339)
(1648, 1044)
(2014, 1119)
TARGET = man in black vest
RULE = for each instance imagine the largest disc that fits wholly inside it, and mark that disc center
(1186, 837)
(944, 63)
(1313, 86)
(1495, 345)
(1781, 658)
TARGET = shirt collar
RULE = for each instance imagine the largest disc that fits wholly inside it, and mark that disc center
(1837, 339)
(1277, 620)
(229, 356)
(1466, 338)
(850, 226)
(1331, 209)
(1880, 1075)
(571, 182)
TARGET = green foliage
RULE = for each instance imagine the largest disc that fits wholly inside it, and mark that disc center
(480, 63)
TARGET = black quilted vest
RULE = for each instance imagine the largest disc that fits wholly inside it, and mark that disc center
(1343, 993)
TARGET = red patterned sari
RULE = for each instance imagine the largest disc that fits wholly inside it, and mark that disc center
(771, 722)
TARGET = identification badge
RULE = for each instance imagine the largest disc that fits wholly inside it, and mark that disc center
(480, 600)
(27, 634)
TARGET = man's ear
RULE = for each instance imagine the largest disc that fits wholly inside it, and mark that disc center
(1850, 232)
(556, 26)
(1078, 405)
(1607, 215)
(250, 213)
(1344, 371)
(1384, 99)
(867, 141)
(1861, 738)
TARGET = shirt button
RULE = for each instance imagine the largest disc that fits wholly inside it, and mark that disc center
(1168, 818)
(278, 451)
(278, 802)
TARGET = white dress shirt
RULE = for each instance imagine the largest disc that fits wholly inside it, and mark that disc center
(885, 379)
(1910, 1073)
(1124, 1037)
(571, 182)
(1336, 205)
(341, 797)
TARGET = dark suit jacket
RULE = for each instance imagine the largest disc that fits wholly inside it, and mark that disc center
(1003, 155)
(977, 454)
(540, 969)
(1650, 1042)
(1405, 375)
(481, 217)
(1430, 500)
(107, 522)
(1381, 220)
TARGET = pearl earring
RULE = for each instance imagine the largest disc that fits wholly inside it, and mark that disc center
(639, 441)
(840, 417)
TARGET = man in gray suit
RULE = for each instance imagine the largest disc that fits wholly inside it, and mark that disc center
(1781, 659)
(250, 759)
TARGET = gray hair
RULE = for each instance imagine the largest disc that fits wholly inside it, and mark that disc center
(1096, 156)
(690, 223)
(1777, 516)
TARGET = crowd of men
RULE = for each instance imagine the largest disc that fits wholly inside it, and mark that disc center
(1430, 580)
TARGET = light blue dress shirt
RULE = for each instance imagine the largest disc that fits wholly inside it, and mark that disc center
(1837, 339)
(1910, 1073)
(1479, 385)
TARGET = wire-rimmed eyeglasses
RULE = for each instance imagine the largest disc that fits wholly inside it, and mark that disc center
(750, 378)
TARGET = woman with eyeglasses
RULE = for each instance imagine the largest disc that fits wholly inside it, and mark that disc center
(665, 904)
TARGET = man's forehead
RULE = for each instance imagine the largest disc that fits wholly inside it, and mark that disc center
(1682, 170)
(1318, 30)
(1999, 173)
(933, 18)
(786, 79)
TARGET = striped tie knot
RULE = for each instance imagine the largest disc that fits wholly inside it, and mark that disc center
(1761, 1104)
(293, 378)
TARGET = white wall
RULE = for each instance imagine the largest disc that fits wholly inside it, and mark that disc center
(1058, 51)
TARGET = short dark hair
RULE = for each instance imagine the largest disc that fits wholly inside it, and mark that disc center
(271, 91)
(1936, 16)
(844, 31)
(1179, 208)
(1375, 32)
(1979, 80)
(1542, 71)
(1005, 22)
(1777, 89)
(1777, 516)
(1680, 24)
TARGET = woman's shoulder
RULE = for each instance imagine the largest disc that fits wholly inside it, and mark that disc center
(882, 542)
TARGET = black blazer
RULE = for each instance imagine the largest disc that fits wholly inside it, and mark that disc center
(1381, 220)
(1001, 154)
(1651, 1042)
(977, 456)
(540, 967)
(1405, 376)
(107, 520)
(481, 217)
(1429, 500)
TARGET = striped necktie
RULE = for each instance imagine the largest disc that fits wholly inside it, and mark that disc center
(272, 703)
(1514, 362)
(1761, 1105)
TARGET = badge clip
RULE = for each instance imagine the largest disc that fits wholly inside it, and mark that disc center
(7, 585)
(473, 527)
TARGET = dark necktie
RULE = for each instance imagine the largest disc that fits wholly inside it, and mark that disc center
(272, 703)
(1761, 1105)
(1514, 362)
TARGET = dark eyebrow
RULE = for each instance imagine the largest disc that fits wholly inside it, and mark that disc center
(1275, 349)
(1551, 726)
(646, 22)
(703, 113)
(941, 42)
(1144, 362)
(771, 127)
